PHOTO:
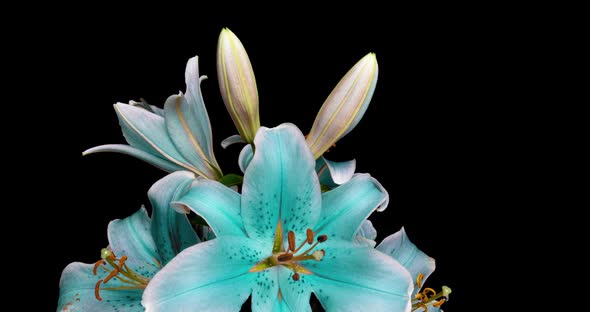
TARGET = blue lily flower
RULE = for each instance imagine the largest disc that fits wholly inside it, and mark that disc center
(175, 138)
(280, 240)
(420, 266)
(138, 248)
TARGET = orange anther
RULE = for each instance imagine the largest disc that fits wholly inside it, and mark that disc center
(96, 265)
(309, 233)
(96, 290)
(291, 238)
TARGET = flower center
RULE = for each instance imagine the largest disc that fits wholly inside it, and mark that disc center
(119, 270)
(291, 257)
(428, 296)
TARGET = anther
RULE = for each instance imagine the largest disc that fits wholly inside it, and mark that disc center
(96, 290)
(309, 233)
(419, 280)
(427, 290)
(296, 276)
(96, 265)
(291, 238)
(285, 257)
(439, 303)
(322, 238)
(318, 254)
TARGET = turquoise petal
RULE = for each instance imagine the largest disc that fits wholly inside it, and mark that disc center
(210, 276)
(195, 111)
(76, 292)
(281, 306)
(367, 230)
(334, 173)
(132, 237)
(218, 204)
(366, 234)
(171, 231)
(352, 278)
(295, 294)
(234, 139)
(399, 246)
(156, 161)
(147, 131)
(179, 119)
(245, 157)
(280, 181)
(265, 290)
(345, 208)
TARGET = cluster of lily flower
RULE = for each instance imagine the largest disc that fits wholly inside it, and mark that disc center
(293, 224)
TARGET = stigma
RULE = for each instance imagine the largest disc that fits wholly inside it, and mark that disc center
(292, 257)
(116, 269)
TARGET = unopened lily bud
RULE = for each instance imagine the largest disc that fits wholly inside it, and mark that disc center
(345, 106)
(237, 84)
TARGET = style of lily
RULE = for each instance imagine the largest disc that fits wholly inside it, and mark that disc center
(420, 266)
(280, 240)
(175, 138)
(340, 113)
(138, 248)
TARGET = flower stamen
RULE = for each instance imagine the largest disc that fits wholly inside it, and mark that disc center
(419, 280)
(119, 270)
(423, 300)
(289, 258)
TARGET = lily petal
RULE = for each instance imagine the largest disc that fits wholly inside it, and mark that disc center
(265, 291)
(76, 292)
(345, 106)
(245, 157)
(236, 138)
(334, 173)
(132, 237)
(189, 144)
(346, 207)
(156, 161)
(295, 294)
(204, 275)
(280, 181)
(172, 232)
(218, 204)
(188, 124)
(281, 306)
(366, 234)
(399, 246)
(352, 278)
(195, 111)
(147, 132)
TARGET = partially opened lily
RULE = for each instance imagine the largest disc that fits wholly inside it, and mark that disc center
(175, 138)
(420, 266)
(138, 248)
(281, 240)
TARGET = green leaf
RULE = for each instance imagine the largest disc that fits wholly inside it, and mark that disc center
(231, 179)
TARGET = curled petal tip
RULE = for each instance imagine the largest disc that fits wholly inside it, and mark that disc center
(345, 106)
(237, 84)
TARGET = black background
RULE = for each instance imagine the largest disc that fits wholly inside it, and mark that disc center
(429, 135)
